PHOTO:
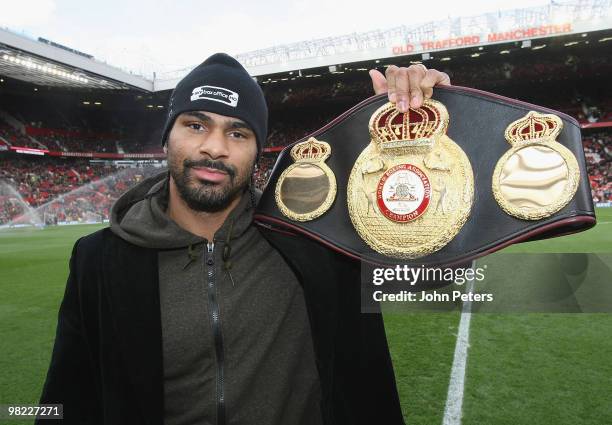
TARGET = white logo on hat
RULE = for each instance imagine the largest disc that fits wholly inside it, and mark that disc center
(217, 94)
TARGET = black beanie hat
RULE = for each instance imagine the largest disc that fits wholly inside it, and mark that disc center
(221, 85)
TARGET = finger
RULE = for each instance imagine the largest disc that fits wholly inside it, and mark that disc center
(390, 72)
(433, 77)
(402, 86)
(428, 82)
(415, 75)
(379, 82)
(427, 91)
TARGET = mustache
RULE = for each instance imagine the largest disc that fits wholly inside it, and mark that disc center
(209, 163)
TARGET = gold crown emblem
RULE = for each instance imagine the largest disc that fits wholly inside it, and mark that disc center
(312, 150)
(534, 127)
(391, 128)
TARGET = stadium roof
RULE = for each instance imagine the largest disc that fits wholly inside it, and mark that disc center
(46, 63)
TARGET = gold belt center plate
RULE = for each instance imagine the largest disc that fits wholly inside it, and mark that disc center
(411, 189)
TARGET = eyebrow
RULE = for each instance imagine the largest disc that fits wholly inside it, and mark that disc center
(235, 124)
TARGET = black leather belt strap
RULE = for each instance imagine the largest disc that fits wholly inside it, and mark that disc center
(478, 121)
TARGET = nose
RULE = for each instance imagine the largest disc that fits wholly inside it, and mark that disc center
(214, 144)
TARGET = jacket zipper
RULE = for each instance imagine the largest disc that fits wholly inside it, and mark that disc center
(215, 320)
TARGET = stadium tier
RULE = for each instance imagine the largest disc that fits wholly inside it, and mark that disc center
(47, 191)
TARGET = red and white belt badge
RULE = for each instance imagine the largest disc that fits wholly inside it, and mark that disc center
(403, 193)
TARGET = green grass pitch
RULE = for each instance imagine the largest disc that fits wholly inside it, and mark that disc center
(523, 368)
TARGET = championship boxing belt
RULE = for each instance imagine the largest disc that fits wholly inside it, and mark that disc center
(464, 175)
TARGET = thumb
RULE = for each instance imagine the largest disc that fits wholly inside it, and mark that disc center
(379, 82)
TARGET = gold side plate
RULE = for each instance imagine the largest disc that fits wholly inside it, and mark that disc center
(307, 188)
(538, 176)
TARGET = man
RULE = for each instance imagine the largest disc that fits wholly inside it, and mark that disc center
(182, 313)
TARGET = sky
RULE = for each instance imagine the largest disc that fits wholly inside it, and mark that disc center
(161, 36)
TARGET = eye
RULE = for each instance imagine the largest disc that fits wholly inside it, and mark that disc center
(195, 126)
(237, 134)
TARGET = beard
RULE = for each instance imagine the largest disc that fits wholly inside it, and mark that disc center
(206, 196)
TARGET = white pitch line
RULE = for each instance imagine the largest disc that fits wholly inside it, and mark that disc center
(454, 399)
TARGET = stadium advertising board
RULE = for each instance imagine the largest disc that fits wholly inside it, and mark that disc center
(482, 39)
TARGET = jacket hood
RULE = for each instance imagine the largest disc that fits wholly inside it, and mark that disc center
(139, 217)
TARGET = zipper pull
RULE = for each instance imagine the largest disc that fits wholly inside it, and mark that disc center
(209, 256)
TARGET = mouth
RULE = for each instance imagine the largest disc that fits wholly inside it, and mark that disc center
(209, 174)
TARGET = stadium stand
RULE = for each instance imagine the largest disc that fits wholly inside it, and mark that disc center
(598, 152)
(13, 137)
(70, 190)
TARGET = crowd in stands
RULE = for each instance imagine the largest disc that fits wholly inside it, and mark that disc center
(56, 141)
(66, 190)
(263, 169)
(499, 70)
(64, 143)
(323, 92)
(598, 152)
(93, 201)
(15, 138)
(285, 132)
(39, 180)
